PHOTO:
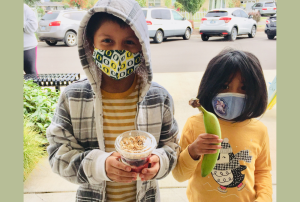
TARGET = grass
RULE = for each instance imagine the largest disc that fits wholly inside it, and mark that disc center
(33, 149)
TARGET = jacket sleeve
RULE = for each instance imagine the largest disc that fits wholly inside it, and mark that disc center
(168, 148)
(263, 179)
(186, 166)
(30, 21)
(66, 156)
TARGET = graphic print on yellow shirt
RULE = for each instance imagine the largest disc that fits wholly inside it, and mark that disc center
(228, 171)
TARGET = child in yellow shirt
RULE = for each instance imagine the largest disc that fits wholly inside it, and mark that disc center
(234, 89)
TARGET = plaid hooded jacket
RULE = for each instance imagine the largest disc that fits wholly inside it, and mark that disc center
(76, 150)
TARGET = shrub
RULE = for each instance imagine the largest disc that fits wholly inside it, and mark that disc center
(38, 105)
(256, 15)
(33, 149)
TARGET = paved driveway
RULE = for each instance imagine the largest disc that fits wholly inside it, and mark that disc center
(174, 55)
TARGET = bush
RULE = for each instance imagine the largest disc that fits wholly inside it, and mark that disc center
(38, 106)
(256, 15)
(33, 149)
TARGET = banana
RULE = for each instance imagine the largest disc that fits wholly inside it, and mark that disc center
(212, 126)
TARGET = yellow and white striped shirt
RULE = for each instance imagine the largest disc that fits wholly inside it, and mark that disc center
(119, 111)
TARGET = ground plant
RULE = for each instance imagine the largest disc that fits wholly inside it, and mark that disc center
(38, 105)
(256, 15)
(33, 148)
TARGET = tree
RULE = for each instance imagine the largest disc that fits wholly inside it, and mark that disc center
(234, 3)
(142, 3)
(31, 2)
(56, 0)
(178, 5)
(91, 3)
(77, 3)
(168, 3)
(191, 6)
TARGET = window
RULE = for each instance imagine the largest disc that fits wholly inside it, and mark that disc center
(237, 13)
(74, 15)
(145, 13)
(243, 14)
(50, 16)
(177, 16)
(216, 14)
(270, 4)
(154, 3)
(258, 5)
(77, 16)
(166, 14)
(161, 14)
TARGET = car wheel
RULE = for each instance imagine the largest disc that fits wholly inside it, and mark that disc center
(270, 36)
(253, 32)
(204, 37)
(159, 36)
(187, 34)
(233, 34)
(51, 43)
(71, 39)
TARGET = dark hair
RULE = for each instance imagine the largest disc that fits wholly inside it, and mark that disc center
(222, 68)
(97, 20)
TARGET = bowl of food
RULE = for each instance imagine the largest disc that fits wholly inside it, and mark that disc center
(135, 148)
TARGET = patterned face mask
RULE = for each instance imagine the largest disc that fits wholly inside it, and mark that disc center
(117, 64)
(229, 105)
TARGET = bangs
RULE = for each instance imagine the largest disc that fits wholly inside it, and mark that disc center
(222, 69)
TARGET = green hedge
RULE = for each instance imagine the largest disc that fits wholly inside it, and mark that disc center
(38, 105)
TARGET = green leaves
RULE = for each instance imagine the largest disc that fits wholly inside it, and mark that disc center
(191, 6)
(38, 105)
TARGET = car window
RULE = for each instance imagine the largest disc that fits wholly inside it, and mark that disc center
(166, 14)
(50, 16)
(156, 14)
(216, 14)
(259, 5)
(243, 14)
(77, 16)
(161, 14)
(237, 13)
(177, 16)
(145, 13)
(270, 4)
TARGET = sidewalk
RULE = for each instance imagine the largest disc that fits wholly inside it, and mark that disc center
(44, 185)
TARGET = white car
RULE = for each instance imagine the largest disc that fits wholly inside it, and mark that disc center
(163, 23)
(227, 22)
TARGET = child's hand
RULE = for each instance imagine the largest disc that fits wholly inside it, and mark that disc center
(118, 171)
(149, 173)
(204, 144)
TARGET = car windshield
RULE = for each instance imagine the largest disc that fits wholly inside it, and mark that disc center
(216, 14)
(50, 16)
(145, 13)
(270, 4)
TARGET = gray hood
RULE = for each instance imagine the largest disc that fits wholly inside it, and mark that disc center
(130, 12)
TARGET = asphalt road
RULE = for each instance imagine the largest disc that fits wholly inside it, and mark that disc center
(174, 55)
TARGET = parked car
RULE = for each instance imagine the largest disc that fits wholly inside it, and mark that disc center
(60, 26)
(270, 28)
(163, 23)
(228, 23)
(265, 8)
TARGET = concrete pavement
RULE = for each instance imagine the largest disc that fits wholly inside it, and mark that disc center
(44, 185)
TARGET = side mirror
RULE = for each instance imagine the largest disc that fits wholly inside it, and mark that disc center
(183, 18)
(250, 17)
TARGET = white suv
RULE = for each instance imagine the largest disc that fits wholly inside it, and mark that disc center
(227, 22)
(163, 23)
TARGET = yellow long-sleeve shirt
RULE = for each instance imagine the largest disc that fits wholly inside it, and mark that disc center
(248, 181)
